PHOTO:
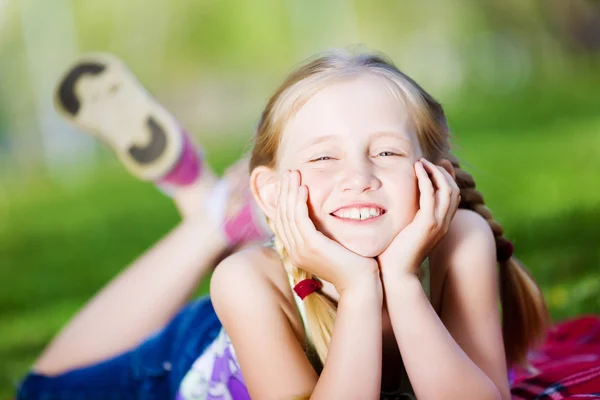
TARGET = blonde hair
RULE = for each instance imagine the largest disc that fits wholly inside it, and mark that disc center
(525, 316)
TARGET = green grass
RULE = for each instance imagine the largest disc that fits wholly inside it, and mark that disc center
(60, 243)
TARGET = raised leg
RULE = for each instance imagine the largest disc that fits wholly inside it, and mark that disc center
(101, 96)
(138, 301)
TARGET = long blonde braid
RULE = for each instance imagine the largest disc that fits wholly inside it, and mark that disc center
(525, 316)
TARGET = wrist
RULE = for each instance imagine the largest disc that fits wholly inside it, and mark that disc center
(400, 271)
(402, 282)
(362, 286)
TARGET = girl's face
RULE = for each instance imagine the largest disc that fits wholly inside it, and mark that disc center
(355, 148)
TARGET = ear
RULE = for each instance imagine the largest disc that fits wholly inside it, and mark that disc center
(264, 184)
(447, 165)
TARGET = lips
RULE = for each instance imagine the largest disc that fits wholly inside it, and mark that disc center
(359, 212)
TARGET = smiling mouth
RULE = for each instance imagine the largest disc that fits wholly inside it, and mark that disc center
(358, 213)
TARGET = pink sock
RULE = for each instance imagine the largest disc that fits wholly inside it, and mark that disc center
(188, 167)
(244, 227)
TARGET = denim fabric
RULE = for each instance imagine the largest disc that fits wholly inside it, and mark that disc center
(153, 370)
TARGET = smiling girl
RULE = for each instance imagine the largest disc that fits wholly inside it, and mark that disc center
(351, 166)
(382, 280)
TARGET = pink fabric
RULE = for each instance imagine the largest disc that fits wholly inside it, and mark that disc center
(568, 364)
(242, 227)
(188, 167)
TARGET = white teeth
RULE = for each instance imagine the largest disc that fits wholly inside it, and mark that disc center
(364, 213)
(359, 213)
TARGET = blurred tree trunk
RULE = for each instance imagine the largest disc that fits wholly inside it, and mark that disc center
(50, 44)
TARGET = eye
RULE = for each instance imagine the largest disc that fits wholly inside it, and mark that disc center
(323, 158)
(386, 154)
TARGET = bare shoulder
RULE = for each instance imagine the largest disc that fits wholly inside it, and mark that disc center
(254, 279)
(253, 272)
(252, 261)
(468, 245)
(469, 220)
(469, 233)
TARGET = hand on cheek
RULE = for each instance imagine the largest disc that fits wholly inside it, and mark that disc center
(308, 248)
(439, 197)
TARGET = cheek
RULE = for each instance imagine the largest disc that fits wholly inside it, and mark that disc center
(319, 185)
(405, 189)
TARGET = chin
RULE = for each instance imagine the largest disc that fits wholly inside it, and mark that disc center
(364, 246)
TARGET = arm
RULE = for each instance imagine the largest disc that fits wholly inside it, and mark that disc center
(353, 367)
(271, 358)
(463, 352)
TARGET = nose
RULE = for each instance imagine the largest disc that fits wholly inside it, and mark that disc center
(358, 178)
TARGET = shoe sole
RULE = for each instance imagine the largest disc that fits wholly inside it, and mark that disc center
(101, 96)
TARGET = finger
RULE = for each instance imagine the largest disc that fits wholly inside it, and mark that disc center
(426, 200)
(450, 179)
(304, 224)
(292, 201)
(444, 202)
(287, 204)
(307, 228)
(444, 196)
(437, 176)
(455, 196)
(278, 222)
(443, 192)
(281, 211)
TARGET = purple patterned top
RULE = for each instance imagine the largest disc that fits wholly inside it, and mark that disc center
(215, 375)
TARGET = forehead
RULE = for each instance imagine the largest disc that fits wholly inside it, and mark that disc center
(353, 108)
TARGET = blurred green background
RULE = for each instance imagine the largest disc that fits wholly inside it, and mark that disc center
(519, 80)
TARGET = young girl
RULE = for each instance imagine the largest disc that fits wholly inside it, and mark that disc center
(381, 281)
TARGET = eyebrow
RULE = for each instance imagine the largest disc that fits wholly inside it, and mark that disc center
(392, 134)
(318, 140)
(374, 135)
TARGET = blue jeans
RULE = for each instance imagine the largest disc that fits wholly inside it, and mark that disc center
(153, 370)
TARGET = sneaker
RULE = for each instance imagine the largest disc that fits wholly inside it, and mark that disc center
(99, 95)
